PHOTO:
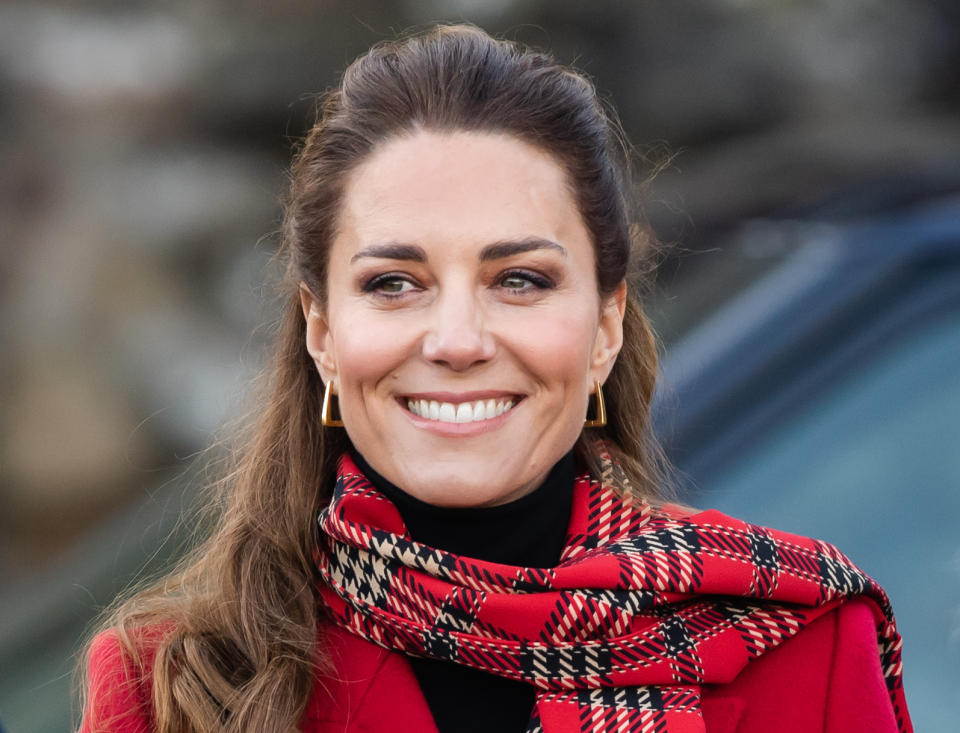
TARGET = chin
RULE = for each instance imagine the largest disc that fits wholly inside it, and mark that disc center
(462, 485)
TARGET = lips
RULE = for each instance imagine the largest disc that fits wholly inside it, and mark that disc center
(462, 412)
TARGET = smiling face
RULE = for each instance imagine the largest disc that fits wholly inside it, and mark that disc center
(463, 330)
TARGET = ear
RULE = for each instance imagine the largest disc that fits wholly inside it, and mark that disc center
(319, 341)
(609, 335)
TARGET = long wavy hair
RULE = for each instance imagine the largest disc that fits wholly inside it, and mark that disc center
(230, 637)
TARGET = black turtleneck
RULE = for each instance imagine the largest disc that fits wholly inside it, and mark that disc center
(527, 532)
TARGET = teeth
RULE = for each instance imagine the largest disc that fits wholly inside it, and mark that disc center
(464, 412)
(448, 413)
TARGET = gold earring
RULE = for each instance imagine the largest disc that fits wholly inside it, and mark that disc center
(601, 417)
(326, 417)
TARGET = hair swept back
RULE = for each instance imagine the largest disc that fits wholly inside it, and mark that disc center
(230, 637)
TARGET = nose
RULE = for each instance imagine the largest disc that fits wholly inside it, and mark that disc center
(457, 337)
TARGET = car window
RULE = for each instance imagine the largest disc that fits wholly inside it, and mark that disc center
(872, 464)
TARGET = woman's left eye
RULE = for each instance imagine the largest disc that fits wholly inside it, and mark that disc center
(523, 281)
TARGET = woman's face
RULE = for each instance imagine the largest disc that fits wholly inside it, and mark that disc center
(463, 331)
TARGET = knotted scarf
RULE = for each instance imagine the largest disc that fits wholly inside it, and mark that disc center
(644, 606)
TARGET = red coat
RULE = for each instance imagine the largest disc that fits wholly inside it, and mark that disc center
(826, 678)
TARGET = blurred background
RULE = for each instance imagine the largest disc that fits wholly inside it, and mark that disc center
(809, 302)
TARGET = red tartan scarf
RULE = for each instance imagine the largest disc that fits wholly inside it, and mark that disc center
(643, 607)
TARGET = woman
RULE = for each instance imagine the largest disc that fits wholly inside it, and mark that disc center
(461, 392)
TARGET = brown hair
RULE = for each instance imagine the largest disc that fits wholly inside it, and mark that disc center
(241, 650)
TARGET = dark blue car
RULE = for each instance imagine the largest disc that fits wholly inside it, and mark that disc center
(824, 399)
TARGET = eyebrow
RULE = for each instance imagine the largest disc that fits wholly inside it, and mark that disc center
(495, 251)
(499, 250)
(392, 252)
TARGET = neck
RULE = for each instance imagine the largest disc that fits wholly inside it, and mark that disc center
(527, 532)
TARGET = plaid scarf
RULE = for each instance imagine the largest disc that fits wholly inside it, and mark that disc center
(643, 607)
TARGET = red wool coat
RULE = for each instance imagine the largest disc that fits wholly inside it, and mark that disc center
(826, 678)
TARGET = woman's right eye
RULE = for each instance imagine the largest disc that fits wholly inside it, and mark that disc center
(389, 285)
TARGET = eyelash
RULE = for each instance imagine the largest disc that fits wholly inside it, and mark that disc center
(379, 280)
(539, 282)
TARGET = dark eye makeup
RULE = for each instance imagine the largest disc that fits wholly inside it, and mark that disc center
(518, 281)
(388, 285)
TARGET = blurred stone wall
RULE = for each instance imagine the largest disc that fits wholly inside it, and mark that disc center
(144, 148)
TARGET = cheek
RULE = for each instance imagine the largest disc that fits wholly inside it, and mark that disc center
(558, 349)
(366, 352)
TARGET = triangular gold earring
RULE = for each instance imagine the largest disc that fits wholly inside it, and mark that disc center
(600, 417)
(326, 416)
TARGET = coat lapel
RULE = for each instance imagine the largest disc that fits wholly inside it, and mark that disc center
(721, 713)
(369, 690)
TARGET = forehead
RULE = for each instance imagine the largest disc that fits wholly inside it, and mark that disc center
(467, 188)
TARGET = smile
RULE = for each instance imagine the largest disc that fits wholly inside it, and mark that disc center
(463, 412)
